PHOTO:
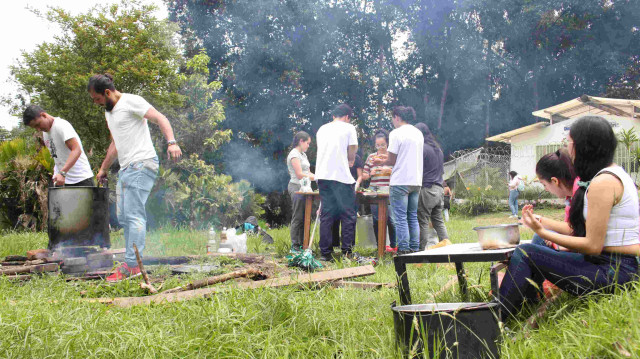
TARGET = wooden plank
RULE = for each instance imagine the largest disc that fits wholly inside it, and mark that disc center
(302, 278)
(48, 267)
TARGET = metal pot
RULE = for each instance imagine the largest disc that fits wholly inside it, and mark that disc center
(447, 330)
(498, 236)
(78, 216)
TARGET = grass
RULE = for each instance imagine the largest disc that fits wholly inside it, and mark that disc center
(43, 317)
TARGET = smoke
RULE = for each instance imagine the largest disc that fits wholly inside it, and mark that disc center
(243, 161)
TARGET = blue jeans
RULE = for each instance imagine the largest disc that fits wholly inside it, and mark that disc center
(404, 207)
(513, 201)
(572, 272)
(134, 185)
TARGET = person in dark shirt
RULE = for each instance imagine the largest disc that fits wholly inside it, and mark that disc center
(431, 198)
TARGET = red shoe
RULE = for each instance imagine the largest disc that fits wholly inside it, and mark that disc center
(391, 249)
(549, 289)
(124, 272)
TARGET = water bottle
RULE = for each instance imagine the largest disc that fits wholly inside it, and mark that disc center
(212, 245)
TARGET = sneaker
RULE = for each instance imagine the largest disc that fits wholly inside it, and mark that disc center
(124, 272)
(326, 258)
(391, 249)
(401, 252)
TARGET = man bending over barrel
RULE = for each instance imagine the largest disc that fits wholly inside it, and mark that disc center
(127, 117)
(71, 164)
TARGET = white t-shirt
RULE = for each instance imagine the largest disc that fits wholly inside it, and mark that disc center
(332, 163)
(406, 142)
(55, 140)
(130, 130)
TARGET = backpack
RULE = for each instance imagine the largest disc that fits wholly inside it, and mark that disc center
(520, 185)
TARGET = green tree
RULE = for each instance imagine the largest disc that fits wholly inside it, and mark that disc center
(125, 40)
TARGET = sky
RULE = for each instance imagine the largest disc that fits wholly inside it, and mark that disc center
(24, 31)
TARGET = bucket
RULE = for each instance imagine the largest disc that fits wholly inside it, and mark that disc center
(365, 237)
(78, 216)
(447, 330)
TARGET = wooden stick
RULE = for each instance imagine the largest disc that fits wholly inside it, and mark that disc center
(452, 280)
(144, 273)
(216, 279)
(147, 284)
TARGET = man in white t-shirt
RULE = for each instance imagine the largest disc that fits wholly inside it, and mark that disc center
(71, 164)
(127, 117)
(405, 155)
(337, 145)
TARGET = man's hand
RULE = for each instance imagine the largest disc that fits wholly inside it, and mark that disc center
(58, 180)
(101, 176)
(174, 152)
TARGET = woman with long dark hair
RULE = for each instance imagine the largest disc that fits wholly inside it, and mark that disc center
(431, 199)
(603, 241)
(556, 173)
(298, 166)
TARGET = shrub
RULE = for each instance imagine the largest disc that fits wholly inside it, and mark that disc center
(25, 170)
(191, 194)
(478, 201)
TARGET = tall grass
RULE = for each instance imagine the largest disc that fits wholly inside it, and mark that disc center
(43, 318)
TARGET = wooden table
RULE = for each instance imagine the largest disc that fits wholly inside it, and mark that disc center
(380, 199)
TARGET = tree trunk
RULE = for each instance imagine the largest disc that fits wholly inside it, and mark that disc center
(442, 101)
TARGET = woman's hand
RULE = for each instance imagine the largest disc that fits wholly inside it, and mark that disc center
(530, 220)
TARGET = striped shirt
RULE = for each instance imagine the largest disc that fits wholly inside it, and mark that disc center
(382, 177)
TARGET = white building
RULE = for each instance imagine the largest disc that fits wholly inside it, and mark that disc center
(530, 143)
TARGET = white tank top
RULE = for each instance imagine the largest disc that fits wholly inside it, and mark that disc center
(622, 229)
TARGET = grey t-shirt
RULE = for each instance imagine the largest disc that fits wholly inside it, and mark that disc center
(304, 163)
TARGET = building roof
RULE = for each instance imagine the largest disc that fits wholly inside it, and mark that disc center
(506, 137)
(583, 105)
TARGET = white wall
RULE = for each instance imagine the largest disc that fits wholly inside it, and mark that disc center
(523, 147)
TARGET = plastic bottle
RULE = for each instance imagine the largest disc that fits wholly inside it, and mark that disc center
(212, 245)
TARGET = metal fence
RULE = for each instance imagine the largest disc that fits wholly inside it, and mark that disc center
(484, 169)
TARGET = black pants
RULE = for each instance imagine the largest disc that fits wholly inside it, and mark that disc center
(337, 205)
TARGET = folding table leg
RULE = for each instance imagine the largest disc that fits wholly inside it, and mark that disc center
(403, 281)
(462, 280)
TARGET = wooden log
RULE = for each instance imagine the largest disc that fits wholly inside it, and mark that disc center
(301, 278)
(35, 262)
(15, 259)
(12, 264)
(48, 267)
(215, 279)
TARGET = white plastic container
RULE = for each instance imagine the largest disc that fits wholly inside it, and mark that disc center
(212, 244)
